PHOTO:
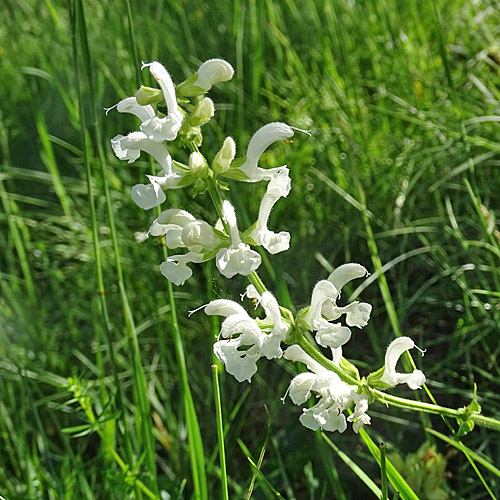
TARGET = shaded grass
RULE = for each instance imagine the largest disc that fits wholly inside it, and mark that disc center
(394, 95)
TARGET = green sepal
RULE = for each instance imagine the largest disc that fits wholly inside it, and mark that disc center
(222, 185)
(465, 421)
(221, 234)
(188, 89)
(180, 166)
(300, 319)
(187, 180)
(235, 174)
(293, 335)
(374, 381)
(349, 368)
(200, 186)
(237, 162)
(246, 238)
(149, 95)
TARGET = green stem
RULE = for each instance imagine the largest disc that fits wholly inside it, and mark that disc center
(220, 433)
(325, 362)
(257, 282)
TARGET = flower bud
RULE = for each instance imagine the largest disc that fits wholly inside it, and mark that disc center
(202, 112)
(225, 156)
(149, 95)
(198, 165)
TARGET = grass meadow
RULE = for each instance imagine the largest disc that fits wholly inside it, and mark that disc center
(106, 385)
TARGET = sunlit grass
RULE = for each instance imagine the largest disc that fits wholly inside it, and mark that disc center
(400, 174)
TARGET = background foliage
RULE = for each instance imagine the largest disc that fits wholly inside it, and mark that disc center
(401, 171)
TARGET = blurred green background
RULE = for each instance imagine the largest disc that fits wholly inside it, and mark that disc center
(401, 174)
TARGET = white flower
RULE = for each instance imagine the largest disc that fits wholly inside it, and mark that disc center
(148, 196)
(163, 129)
(359, 413)
(175, 268)
(396, 348)
(278, 187)
(260, 141)
(129, 148)
(334, 395)
(213, 71)
(238, 258)
(328, 334)
(357, 314)
(243, 342)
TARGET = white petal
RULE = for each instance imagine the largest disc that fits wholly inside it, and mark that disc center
(391, 377)
(252, 293)
(240, 260)
(333, 335)
(163, 129)
(296, 353)
(240, 364)
(229, 216)
(301, 386)
(308, 421)
(278, 187)
(243, 325)
(415, 380)
(130, 105)
(122, 151)
(130, 146)
(213, 71)
(148, 196)
(323, 291)
(199, 236)
(260, 141)
(346, 273)
(171, 223)
(224, 307)
(175, 268)
(358, 314)
(172, 122)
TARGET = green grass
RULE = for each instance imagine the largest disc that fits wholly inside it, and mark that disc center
(401, 174)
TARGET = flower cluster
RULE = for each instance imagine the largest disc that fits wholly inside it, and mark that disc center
(243, 341)
(163, 124)
(173, 113)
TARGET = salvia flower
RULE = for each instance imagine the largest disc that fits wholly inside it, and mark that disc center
(334, 396)
(278, 187)
(391, 377)
(243, 340)
(238, 258)
(260, 141)
(324, 309)
(208, 74)
(163, 129)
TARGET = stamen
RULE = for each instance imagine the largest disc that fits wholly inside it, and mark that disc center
(109, 109)
(422, 351)
(308, 132)
(286, 394)
(196, 310)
